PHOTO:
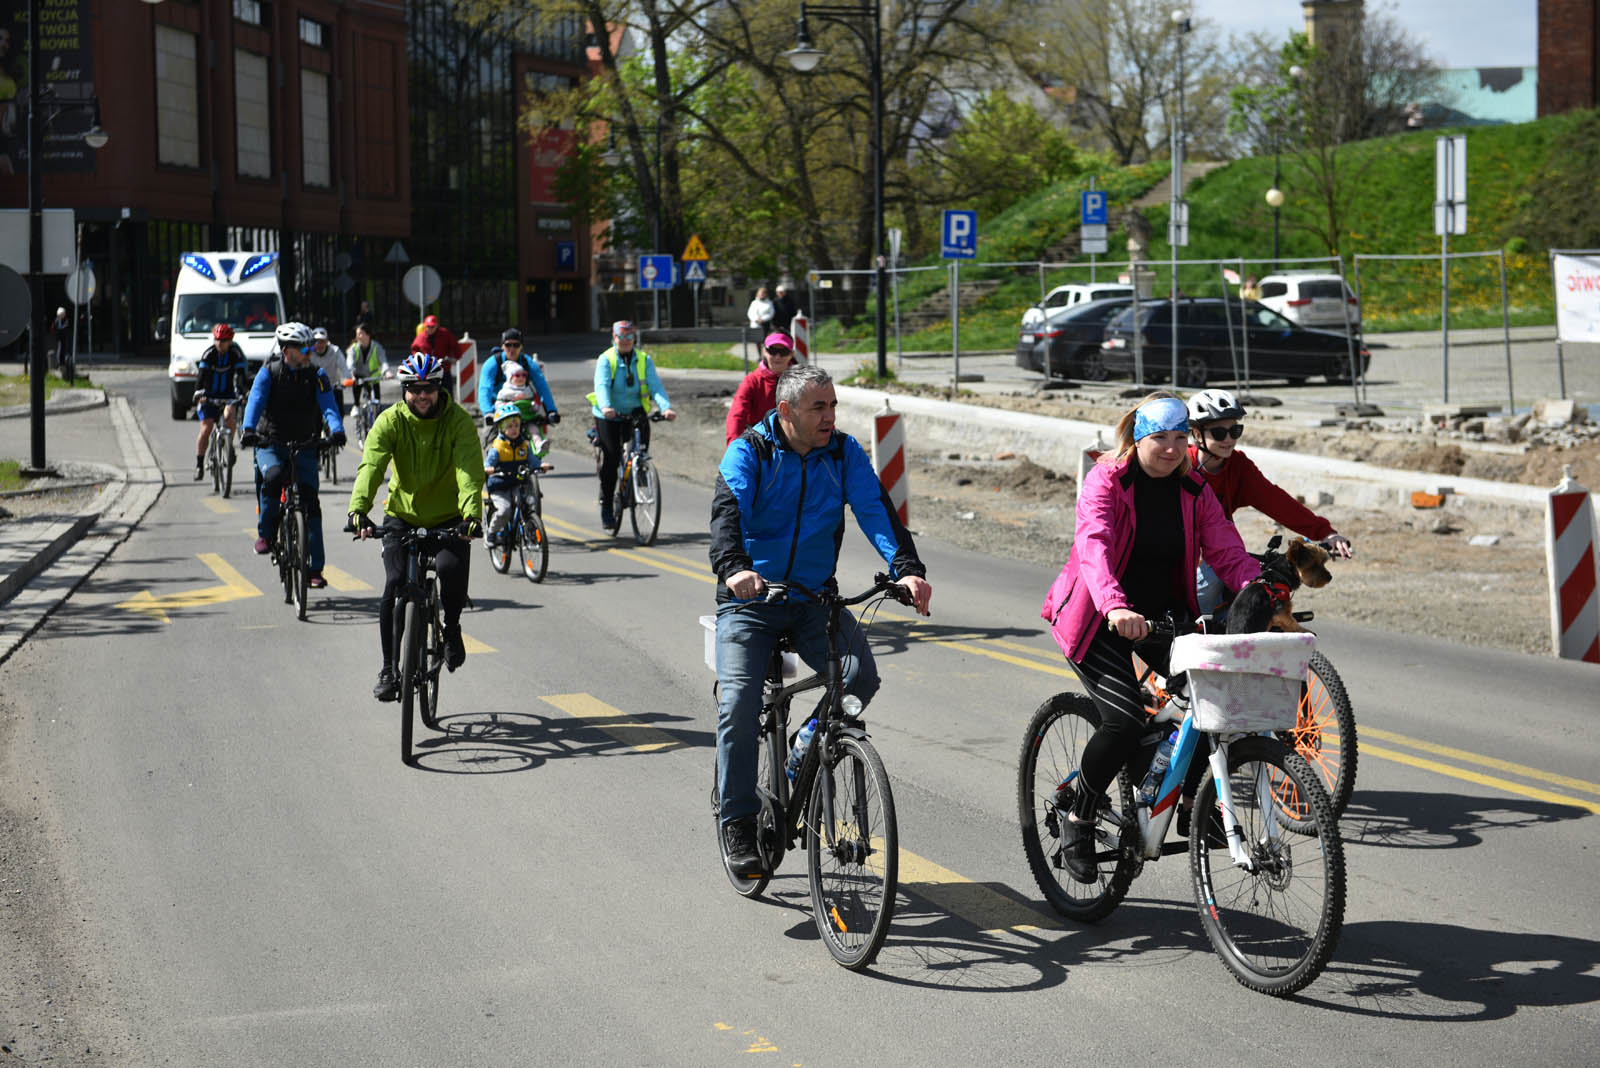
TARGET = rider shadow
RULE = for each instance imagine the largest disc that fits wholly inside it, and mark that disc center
(1402, 819)
(485, 743)
(1438, 972)
(892, 634)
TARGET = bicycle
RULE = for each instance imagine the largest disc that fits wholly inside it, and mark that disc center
(638, 488)
(419, 631)
(1270, 896)
(365, 391)
(525, 530)
(845, 808)
(328, 454)
(220, 449)
(289, 550)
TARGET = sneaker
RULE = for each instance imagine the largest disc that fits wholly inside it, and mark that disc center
(262, 548)
(455, 650)
(388, 689)
(739, 844)
(1077, 850)
(199, 468)
(316, 581)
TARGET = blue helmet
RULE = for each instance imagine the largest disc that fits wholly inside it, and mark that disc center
(420, 367)
(507, 409)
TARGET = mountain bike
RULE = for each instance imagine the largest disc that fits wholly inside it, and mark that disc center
(638, 487)
(839, 800)
(329, 456)
(1270, 895)
(419, 631)
(220, 449)
(525, 530)
(289, 551)
(367, 406)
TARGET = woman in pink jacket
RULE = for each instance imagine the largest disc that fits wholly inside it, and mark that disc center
(1144, 518)
(758, 393)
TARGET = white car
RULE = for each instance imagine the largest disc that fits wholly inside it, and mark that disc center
(1068, 295)
(1312, 298)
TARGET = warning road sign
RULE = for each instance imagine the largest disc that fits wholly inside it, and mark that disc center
(694, 250)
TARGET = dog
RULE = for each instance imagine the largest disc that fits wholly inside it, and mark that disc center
(1268, 602)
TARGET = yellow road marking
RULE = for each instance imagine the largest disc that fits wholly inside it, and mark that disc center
(1551, 777)
(614, 722)
(1493, 781)
(234, 587)
(220, 506)
(629, 554)
(987, 909)
(473, 645)
(572, 530)
(343, 580)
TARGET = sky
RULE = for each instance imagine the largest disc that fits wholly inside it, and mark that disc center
(1456, 33)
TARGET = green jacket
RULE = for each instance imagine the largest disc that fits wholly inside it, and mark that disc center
(438, 468)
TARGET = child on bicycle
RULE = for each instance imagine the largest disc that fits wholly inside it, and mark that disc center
(506, 465)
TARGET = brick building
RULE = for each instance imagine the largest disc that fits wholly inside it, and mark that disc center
(1569, 39)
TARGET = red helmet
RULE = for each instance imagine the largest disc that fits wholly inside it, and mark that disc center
(222, 332)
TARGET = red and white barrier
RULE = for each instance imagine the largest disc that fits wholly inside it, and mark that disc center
(1570, 562)
(800, 330)
(1089, 457)
(889, 457)
(467, 374)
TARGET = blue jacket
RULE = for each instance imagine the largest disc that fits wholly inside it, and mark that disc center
(493, 376)
(781, 514)
(616, 383)
(219, 375)
(291, 404)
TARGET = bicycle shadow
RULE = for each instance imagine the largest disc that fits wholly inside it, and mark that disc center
(494, 743)
(892, 634)
(1403, 819)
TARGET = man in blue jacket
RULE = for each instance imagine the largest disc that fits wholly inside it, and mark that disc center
(778, 515)
(493, 376)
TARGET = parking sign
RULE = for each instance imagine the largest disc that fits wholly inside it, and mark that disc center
(1093, 210)
(960, 234)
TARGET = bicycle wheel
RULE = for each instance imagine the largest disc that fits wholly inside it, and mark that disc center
(301, 567)
(619, 497)
(410, 672)
(646, 493)
(333, 464)
(854, 863)
(228, 458)
(534, 546)
(283, 556)
(500, 555)
(1275, 926)
(1325, 738)
(432, 664)
(1047, 776)
(214, 459)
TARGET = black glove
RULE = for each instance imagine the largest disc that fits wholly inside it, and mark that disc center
(248, 438)
(339, 439)
(553, 418)
(469, 528)
(356, 522)
(488, 419)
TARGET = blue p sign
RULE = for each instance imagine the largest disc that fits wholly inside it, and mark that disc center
(1094, 208)
(960, 234)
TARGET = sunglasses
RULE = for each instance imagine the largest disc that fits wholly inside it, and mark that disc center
(422, 387)
(1219, 433)
(511, 344)
(779, 352)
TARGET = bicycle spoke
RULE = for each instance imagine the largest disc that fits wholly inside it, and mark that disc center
(853, 860)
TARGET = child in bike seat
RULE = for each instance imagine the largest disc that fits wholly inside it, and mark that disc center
(506, 464)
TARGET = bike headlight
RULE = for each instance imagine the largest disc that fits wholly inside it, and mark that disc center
(851, 706)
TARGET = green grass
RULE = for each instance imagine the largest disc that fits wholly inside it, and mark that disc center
(14, 388)
(10, 475)
(715, 357)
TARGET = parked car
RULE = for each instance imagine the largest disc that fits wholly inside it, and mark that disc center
(1067, 343)
(1069, 295)
(1312, 298)
(1212, 342)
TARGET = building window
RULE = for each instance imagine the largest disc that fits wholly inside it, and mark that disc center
(315, 158)
(251, 11)
(313, 32)
(177, 102)
(253, 108)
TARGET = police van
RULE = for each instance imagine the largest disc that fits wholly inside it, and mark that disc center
(237, 288)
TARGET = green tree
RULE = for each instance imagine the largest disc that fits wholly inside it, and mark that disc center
(1003, 150)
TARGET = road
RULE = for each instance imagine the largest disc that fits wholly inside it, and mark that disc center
(250, 876)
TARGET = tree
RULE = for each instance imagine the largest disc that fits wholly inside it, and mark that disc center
(1003, 150)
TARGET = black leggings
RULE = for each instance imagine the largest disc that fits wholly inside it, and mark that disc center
(609, 435)
(453, 560)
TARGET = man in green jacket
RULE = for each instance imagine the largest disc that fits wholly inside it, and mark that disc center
(437, 482)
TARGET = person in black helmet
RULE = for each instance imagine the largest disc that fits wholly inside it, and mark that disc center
(493, 376)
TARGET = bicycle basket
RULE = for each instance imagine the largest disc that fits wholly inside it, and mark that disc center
(1244, 682)
(708, 629)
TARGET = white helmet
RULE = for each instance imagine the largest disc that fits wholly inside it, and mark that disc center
(1210, 405)
(319, 334)
(292, 334)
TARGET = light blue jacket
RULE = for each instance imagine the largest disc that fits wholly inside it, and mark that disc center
(616, 385)
(493, 376)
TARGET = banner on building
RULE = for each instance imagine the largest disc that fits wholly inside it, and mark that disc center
(548, 149)
(1577, 297)
(68, 83)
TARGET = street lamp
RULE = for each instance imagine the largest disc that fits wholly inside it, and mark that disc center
(804, 57)
(1178, 220)
(1275, 194)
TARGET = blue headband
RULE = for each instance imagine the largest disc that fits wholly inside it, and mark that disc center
(1166, 413)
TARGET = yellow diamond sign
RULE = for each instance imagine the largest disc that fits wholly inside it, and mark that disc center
(695, 250)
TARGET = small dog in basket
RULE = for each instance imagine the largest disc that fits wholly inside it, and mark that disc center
(1267, 603)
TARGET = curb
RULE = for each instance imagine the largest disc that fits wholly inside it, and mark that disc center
(63, 400)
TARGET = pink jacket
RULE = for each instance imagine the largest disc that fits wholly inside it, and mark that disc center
(1089, 586)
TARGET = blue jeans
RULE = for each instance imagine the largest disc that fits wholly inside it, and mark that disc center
(746, 635)
(270, 463)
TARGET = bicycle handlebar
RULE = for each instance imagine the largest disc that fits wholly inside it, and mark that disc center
(778, 592)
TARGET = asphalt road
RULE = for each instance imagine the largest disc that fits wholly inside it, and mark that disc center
(260, 880)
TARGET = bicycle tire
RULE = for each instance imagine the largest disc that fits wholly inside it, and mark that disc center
(214, 459)
(1324, 709)
(534, 546)
(410, 655)
(620, 500)
(280, 552)
(645, 514)
(432, 663)
(1253, 919)
(1048, 766)
(852, 901)
(229, 457)
(500, 555)
(301, 566)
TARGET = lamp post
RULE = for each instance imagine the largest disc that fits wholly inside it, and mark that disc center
(804, 57)
(1275, 194)
(1177, 235)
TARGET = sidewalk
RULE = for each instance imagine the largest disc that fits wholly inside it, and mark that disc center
(43, 558)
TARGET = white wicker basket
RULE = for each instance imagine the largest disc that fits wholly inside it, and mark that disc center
(1244, 682)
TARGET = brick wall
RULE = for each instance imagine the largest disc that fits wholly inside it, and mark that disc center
(1569, 76)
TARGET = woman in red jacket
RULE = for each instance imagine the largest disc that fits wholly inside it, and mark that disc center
(1214, 417)
(758, 393)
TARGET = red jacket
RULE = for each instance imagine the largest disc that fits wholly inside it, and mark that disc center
(1090, 586)
(756, 396)
(1240, 484)
(441, 343)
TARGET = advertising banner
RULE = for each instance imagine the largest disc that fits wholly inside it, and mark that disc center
(68, 84)
(1577, 297)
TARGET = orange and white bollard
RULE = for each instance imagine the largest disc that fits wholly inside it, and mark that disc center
(1570, 562)
(889, 457)
(800, 330)
(467, 375)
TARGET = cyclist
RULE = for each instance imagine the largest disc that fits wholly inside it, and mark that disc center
(442, 345)
(329, 359)
(1143, 518)
(219, 383)
(778, 515)
(757, 394)
(290, 401)
(368, 362)
(510, 456)
(496, 369)
(1214, 422)
(625, 381)
(437, 482)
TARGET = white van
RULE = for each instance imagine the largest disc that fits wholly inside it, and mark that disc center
(237, 288)
(1068, 295)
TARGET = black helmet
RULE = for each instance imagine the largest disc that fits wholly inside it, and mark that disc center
(511, 333)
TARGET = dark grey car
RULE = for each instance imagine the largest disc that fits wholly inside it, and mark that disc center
(1067, 343)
